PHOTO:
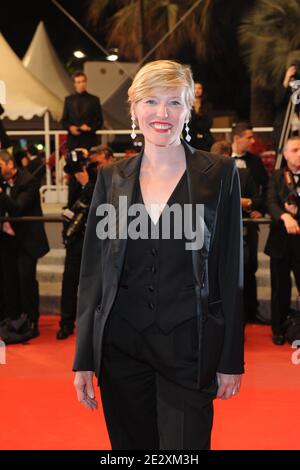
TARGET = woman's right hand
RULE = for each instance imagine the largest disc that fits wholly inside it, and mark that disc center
(83, 383)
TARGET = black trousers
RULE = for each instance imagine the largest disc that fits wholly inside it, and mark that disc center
(143, 408)
(250, 268)
(70, 283)
(281, 285)
(20, 287)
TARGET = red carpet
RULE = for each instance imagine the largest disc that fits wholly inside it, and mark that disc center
(39, 408)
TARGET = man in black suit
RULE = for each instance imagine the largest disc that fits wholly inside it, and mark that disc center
(283, 243)
(82, 115)
(22, 243)
(242, 139)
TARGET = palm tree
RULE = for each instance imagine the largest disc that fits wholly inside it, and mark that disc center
(265, 31)
(269, 39)
(122, 25)
(208, 35)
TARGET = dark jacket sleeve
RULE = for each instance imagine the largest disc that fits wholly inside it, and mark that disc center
(97, 121)
(24, 200)
(253, 193)
(89, 295)
(273, 202)
(65, 120)
(281, 98)
(231, 278)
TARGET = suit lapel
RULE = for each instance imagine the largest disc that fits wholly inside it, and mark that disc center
(204, 182)
(124, 180)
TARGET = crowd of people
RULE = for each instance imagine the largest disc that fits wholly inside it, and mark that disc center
(23, 243)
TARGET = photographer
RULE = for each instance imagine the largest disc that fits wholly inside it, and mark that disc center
(82, 169)
(281, 101)
(283, 243)
(21, 244)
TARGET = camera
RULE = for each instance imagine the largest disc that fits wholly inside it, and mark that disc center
(75, 219)
(76, 160)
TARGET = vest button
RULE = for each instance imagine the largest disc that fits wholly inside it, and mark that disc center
(151, 305)
(151, 288)
(154, 251)
(153, 269)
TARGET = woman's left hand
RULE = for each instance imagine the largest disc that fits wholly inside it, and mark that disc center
(229, 385)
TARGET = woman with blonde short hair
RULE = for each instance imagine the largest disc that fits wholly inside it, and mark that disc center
(160, 319)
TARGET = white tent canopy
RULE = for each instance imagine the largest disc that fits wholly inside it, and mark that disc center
(42, 61)
(110, 83)
(26, 96)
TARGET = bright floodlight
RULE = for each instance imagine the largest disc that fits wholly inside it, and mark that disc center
(113, 55)
(79, 54)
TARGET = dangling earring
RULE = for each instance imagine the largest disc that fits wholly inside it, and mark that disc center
(187, 137)
(133, 134)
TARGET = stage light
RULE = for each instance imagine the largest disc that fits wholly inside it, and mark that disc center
(113, 55)
(79, 54)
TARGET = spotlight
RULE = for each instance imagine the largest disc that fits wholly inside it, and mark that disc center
(79, 54)
(113, 55)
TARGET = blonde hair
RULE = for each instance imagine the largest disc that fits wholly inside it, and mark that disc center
(165, 74)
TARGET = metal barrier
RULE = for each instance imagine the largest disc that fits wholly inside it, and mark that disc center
(57, 193)
(59, 218)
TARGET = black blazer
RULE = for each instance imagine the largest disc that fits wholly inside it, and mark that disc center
(82, 109)
(24, 200)
(218, 266)
(276, 244)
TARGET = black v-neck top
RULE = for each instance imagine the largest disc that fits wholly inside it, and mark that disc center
(157, 284)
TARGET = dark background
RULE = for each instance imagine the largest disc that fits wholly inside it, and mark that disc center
(18, 21)
(225, 79)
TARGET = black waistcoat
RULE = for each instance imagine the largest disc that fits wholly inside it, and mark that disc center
(157, 284)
